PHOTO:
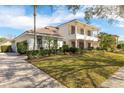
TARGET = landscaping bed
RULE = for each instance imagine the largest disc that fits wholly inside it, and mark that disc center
(89, 69)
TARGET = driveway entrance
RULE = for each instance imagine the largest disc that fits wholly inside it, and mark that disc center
(15, 72)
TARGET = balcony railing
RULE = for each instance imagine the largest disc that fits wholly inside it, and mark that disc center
(86, 37)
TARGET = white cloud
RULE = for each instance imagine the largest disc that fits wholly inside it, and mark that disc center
(121, 37)
(15, 17)
(12, 10)
(120, 24)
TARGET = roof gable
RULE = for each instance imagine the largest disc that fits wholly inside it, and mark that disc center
(77, 21)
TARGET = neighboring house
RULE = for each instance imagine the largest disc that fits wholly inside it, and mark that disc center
(78, 34)
(5, 42)
(116, 37)
(73, 33)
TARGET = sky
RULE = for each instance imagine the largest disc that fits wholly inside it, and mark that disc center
(14, 20)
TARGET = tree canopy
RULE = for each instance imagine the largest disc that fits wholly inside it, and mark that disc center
(2, 39)
(107, 41)
(113, 12)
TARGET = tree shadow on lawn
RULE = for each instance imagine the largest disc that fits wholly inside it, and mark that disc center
(80, 74)
(62, 74)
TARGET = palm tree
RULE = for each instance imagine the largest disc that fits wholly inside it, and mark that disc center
(35, 14)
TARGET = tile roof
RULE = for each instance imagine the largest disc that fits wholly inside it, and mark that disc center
(48, 30)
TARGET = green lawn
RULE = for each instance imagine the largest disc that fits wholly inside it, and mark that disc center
(87, 70)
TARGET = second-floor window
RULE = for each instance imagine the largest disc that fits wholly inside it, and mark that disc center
(89, 33)
(82, 31)
(72, 29)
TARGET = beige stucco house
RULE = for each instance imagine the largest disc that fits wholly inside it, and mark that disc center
(78, 34)
(5, 43)
(73, 33)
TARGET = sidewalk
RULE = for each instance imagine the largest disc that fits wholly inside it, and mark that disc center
(115, 81)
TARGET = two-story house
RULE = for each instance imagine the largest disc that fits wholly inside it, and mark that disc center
(78, 34)
(73, 33)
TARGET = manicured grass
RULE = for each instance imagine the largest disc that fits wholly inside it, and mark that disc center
(87, 70)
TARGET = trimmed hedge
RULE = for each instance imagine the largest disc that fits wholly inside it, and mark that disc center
(22, 47)
(65, 48)
(120, 46)
(37, 53)
(6, 49)
(73, 50)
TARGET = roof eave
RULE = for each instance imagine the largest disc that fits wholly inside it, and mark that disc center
(45, 34)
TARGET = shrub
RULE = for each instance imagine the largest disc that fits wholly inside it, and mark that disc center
(90, 48)
(60, 50)
(44, 52)
(65, 48)
(37, 53)
(120, 46)
(41, 48)
(22, 47)
(80, 51)
(33, 53)
(29, 54)
(98, 48)
(73, 50)
(6, 49)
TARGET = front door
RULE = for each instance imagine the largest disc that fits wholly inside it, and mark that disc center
(73, 43)
(81, 44)
(89, 45)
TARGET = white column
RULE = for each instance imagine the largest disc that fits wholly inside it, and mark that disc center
(76, 32)
(36, 43)
(85, 32)
(76, 29)
(76, 43)
(30, 43)
(85, 35)
(85, 44)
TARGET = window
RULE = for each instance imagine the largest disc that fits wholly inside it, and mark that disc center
(39, 42)
(89, 45)
(73, 44)
(81, 31)
(89, 33)
(72, 29)
(64, 42)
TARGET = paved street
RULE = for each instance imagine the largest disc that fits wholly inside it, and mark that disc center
(15, 72)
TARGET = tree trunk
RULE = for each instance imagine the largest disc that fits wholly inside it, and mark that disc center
(34, 46)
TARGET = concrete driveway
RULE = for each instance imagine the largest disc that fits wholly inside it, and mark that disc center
(15, 72)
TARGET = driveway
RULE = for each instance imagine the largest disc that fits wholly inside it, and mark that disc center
(15, 72)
